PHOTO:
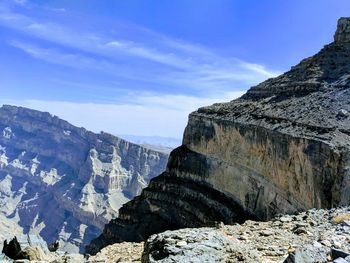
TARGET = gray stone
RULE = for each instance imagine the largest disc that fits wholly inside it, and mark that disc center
(202, 245)
(69, 258)
(338, 253)
(286, 219)
(340, 260)
(266, 233)
(300, 230)
(326, 243)
(343, 113)
(308, 254)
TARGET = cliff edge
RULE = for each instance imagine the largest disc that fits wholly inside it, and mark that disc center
(281, 148)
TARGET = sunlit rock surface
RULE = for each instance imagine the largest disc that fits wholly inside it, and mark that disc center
(283, 147)
(63, 182)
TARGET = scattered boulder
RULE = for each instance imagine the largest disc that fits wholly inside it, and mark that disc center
(308, 254)
(338, 253)
(119, 252)
(33, 253)
(12, 249)
(71, 258)
(343, 113)
(196, 245)
(340, 260)
(26, 247)
(54, 246)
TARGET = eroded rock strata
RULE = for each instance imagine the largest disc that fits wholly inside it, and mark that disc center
(283, 147)
(62, 182)
(308, 237)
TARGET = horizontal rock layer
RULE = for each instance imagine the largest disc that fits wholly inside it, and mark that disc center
(283, 147)
(63, 182)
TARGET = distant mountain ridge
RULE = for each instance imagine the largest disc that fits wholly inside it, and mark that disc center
(165, 144)
(64, 182)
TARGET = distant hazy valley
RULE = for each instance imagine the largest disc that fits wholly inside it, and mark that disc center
(62, 182)
(159, 143)
(262, 178)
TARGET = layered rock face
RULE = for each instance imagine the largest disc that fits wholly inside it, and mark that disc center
(283, 147)
(63, 182)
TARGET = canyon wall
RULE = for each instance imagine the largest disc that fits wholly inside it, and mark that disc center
(62, 182)
(283, 147)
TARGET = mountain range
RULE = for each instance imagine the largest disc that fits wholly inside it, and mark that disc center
(63, 182)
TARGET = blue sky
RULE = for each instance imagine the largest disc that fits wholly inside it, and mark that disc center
(140, 66)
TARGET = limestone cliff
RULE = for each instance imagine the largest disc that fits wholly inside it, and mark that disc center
(282, 147)
(63, 182)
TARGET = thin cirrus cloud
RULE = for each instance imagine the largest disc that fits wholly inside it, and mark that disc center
(55, 56)
(201, 77)
(176, 54)
(148, 115)
(170, 77)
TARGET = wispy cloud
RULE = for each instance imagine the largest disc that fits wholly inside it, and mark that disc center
(136, 116)
(189, 65)
(55, 56)
(137, 73)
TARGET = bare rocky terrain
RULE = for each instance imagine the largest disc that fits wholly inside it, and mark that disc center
(263, 178)
(62, 182)
(323, 234)
(282, 148)
(308, 237)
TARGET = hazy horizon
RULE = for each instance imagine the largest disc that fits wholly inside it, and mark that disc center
(140, 68)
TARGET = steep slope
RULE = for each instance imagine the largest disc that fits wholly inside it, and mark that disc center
(283, 147)
(64, 182)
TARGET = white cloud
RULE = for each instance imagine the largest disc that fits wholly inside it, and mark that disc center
(191, 65)
(210, 78)
(155, 115)
(57, 57)
(149, 58)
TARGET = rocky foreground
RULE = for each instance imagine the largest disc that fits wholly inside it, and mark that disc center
(308, 237)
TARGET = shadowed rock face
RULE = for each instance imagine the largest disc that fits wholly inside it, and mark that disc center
(283, 147)
(63, 182)
(343, 31)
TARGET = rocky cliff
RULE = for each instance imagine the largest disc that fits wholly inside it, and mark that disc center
(283, 147)
(63, 182)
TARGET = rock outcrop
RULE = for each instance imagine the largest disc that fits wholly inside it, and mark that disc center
(196, 245)
(62, 182)
(283, 147)
(29, 247)
(308, 237)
